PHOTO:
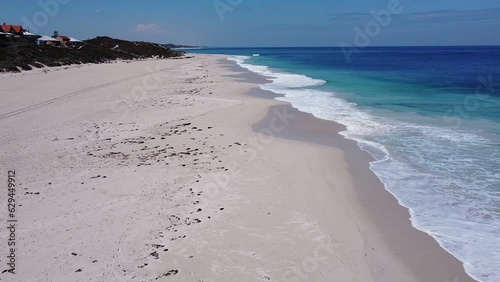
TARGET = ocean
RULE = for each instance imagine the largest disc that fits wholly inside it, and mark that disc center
(430, 117)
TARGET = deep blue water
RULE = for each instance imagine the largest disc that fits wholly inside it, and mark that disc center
(429, 115)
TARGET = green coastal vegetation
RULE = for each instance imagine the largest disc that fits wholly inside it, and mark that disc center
(18, 57)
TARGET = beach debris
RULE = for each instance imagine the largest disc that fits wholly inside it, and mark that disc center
(171, 272)
(155, 255)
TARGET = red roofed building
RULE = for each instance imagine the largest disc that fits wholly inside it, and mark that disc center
(14, 29)
(6, 28)
(63, 39)
(18, 28)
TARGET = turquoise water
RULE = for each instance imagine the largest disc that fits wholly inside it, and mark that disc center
(429, 116)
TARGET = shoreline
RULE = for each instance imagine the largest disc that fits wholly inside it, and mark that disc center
(121, 178)
(308, 128)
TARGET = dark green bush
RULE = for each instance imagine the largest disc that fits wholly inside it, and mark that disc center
(97, 50)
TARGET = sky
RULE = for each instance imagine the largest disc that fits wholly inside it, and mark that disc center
(266, 23)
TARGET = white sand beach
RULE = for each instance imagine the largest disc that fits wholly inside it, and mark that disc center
(169, 170)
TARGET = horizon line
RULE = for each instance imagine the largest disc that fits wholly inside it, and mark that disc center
(379, 46)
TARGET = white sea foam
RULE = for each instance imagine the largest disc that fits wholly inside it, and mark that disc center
(280, 80)
(447, 178)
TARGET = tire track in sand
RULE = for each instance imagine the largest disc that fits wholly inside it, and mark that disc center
(66, 96)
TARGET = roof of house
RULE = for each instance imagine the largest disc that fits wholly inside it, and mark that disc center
(26, 33)
(18, 28)
(47, 38)
(65, 38)
(6, 27)
(12, 28)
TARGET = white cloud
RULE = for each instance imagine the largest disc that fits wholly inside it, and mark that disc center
(149, 28)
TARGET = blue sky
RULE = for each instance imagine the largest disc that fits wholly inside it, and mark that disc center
(265, 22)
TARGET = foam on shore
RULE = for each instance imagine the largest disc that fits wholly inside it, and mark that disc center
(447, 207)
